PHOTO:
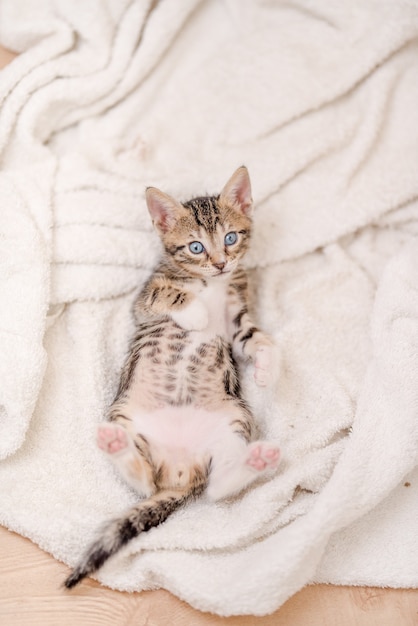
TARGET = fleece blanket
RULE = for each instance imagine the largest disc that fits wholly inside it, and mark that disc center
(320, 101)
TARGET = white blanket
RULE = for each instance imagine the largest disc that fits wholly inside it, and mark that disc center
(320, 101)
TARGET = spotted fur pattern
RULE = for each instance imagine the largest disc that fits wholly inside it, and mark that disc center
(179, 425)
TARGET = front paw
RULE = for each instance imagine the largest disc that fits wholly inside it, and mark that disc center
(264, 366)
(262, 351)
(193, 317)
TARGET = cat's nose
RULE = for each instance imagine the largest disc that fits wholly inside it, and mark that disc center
(220, 266)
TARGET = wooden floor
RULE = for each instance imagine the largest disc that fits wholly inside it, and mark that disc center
(31, 594)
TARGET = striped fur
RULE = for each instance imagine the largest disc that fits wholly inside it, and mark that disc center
(179, 424)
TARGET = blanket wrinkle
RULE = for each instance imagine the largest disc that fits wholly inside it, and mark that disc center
(320, 101)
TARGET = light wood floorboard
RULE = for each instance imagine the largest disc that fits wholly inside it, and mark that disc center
(31, 594)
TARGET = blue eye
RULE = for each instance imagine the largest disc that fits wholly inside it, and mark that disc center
(196, 247)
(230, 239)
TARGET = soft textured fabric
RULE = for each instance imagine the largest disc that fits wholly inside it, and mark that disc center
(320, 101)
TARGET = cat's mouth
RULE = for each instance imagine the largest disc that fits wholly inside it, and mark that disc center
(221, 272)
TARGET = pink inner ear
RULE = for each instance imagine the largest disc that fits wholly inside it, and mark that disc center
(238, 190)
(161, 208)
(243, 192)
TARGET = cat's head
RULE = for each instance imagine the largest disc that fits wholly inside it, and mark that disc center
(205, 236)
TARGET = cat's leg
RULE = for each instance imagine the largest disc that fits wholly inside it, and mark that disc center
(128, 454)
(238, 464)
(251, 343)
(163, 297)
(248, 341)
(194, 316)
(236, 460)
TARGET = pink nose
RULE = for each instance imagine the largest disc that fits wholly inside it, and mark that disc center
(220, 266)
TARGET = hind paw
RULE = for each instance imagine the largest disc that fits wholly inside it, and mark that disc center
(112, 438)
(263, 455)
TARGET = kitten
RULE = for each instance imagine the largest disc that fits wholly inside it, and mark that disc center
(179, 425)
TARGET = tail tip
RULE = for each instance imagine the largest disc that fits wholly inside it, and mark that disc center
(73, 579)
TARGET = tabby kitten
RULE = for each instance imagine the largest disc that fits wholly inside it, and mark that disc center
(179, 426)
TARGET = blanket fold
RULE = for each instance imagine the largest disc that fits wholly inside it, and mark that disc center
(320, 101)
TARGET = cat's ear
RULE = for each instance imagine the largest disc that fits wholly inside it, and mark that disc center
(164, 210)
(237, 190)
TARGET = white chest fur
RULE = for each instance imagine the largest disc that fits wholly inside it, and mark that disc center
(214, 298)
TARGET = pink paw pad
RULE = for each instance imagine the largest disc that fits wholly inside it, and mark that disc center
(111, 438)
(263, 456)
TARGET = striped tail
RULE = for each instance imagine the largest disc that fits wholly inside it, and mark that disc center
(140, 518)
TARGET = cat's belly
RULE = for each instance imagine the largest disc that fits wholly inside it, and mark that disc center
(188, 372)
(184, 429)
